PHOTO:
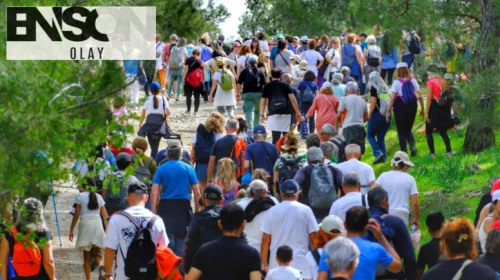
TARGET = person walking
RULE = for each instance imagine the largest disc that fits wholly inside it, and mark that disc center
(437, 111)
(122, 229)
(405, 93)
(192, 80)
(260, 154)
(486, 224)
(372, 57)
(377, 122)
(223, 147)
(283, 56)
(329, 133)
(313, 57)
(390, 59)
(244, 55)
(228, 257)
(225, 98)
(401, 188)
(155, 111)
(171, 193)
(353, 197)
(289, 222)
(89, 208)
(326, 106)
(342, 257)
(353, 164)
(131, 69)
(226, 179)
(280, 102)
(159, 70)
(333, 59)
(352, 58)
(178, 56)
(31, 223)
(357, 114)
(308, 90)
(253, 80)
(430, 252)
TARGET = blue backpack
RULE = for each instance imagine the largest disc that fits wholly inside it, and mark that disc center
(408, 91)
(204, 143)
(206, 54)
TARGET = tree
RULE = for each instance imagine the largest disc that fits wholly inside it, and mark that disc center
(458, 21)
(256, 18)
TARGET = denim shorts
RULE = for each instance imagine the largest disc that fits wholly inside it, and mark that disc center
(201, 170)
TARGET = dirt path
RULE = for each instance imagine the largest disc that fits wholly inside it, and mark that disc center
(68, 263)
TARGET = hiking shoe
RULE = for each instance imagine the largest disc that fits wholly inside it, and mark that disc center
(433, 156)
(413, 152)
(378, 159)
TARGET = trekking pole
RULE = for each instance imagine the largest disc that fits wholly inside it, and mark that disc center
(55, 210)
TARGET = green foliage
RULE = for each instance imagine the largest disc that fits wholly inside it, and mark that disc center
(256, 18)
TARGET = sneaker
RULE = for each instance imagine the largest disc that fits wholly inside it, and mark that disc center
(414, 152)
(450, 154)
(433, 156)
(378, 159)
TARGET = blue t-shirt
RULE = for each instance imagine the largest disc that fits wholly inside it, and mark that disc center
(302, 87)
(256, 153)
(131, 66)
(372, 255)
(176, 179)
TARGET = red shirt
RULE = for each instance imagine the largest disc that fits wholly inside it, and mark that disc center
(116, 151)
(435, 84)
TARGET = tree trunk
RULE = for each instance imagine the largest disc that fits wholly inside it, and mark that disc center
(480, 135)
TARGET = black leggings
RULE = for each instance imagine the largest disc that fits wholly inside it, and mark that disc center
(154, 143)
(192, 91)
(404, 114)
(430, 139)
(390, 73)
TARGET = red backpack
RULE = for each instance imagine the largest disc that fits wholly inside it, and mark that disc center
(195, 77)
(238, 156)
(27, 257)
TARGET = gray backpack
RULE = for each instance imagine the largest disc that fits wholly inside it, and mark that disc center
(322, 191)
(143, 174)
(116, 200)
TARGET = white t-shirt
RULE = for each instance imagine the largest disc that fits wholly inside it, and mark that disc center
(334, 57)
(399, 186)
(217, 137)
(397, 86)
(290, 223)
(83, 199)
(342, 205)
(121, 232)
(243, 61)
(222, 97)
(149, 105)
(311, 271)
(159, 52)
(364, 171)
(253, 232)
(312, 57)
(284, 273)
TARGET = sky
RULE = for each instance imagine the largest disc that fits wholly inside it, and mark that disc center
(236, 8)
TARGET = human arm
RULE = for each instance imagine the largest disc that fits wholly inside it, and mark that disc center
(210, 170)
(339, 115)
(359, 58)
(402, 242)
(194, 274)
(143, 116)
(255, 275)
(48, 260)
(363, 59)
(246, 166)
(300, 176)
(428, 102)
(365, 115)
(394, 95)
(193, 154)
(484, 213)
(4, 256)
(263, 104)
(295, 106)
(231, 65)
(416, 209)
(373, 104)
(322, 275)
(238, 71)
(312, 109)
(192, 243)
(109, 259)
(196, 192)
(104, 215)
(154, 196)
(264, 251)
(320, 64)
(395, 266)
(76, 216)
(184, 74)
(276, 175)
(212, 90)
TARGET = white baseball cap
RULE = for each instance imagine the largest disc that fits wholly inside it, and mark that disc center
(495, 196)
(401, 156)
(332, 222)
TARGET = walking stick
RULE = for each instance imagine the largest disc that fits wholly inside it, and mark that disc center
(55, 210)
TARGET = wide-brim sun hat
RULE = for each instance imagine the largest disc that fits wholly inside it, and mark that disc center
(303, 65)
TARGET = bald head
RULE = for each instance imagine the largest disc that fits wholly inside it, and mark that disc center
(287, 78)
(352, 151)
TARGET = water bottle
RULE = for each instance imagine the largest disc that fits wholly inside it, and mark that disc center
(413, 228)
(10, 269)
(364, 79)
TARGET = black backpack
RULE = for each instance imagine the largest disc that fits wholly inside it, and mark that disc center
(341, 145)
(278, 100)
(140, 262)
(288, 169)
(204, 143)
(414, 46)
(252, 77)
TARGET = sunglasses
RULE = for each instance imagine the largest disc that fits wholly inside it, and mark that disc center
(267, 56)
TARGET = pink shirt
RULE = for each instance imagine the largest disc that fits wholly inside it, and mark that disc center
(326, 106)
(435, 84)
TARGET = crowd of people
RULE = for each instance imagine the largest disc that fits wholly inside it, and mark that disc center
(239, 207)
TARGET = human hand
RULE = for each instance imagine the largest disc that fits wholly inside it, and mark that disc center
(422, 115)
(210, 98)
(387, 116)
(71, 236)
(374, 226)
(264, 268)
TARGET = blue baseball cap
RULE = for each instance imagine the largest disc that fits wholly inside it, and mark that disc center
(290, 186)
(259, 129)
(279, 36)
(154, 86)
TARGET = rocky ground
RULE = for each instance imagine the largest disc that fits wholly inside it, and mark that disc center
(68, 263)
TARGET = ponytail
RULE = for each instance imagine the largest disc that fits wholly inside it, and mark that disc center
(155, 102)
(93, 204)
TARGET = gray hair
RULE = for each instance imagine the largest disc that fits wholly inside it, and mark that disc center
(327, 148)
(376, 195)
(314, 154)
(353, 149)
(352, 87)
(232, 123)
(337, 78)
(286, 76)
(32, 215)
(342, 254)
(351, 179)
(181, 43)
(371, 40)
(259, 136)
(174, 154)
(345, 70)
(256, 188)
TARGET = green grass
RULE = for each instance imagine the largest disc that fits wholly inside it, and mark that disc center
(448, 175)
